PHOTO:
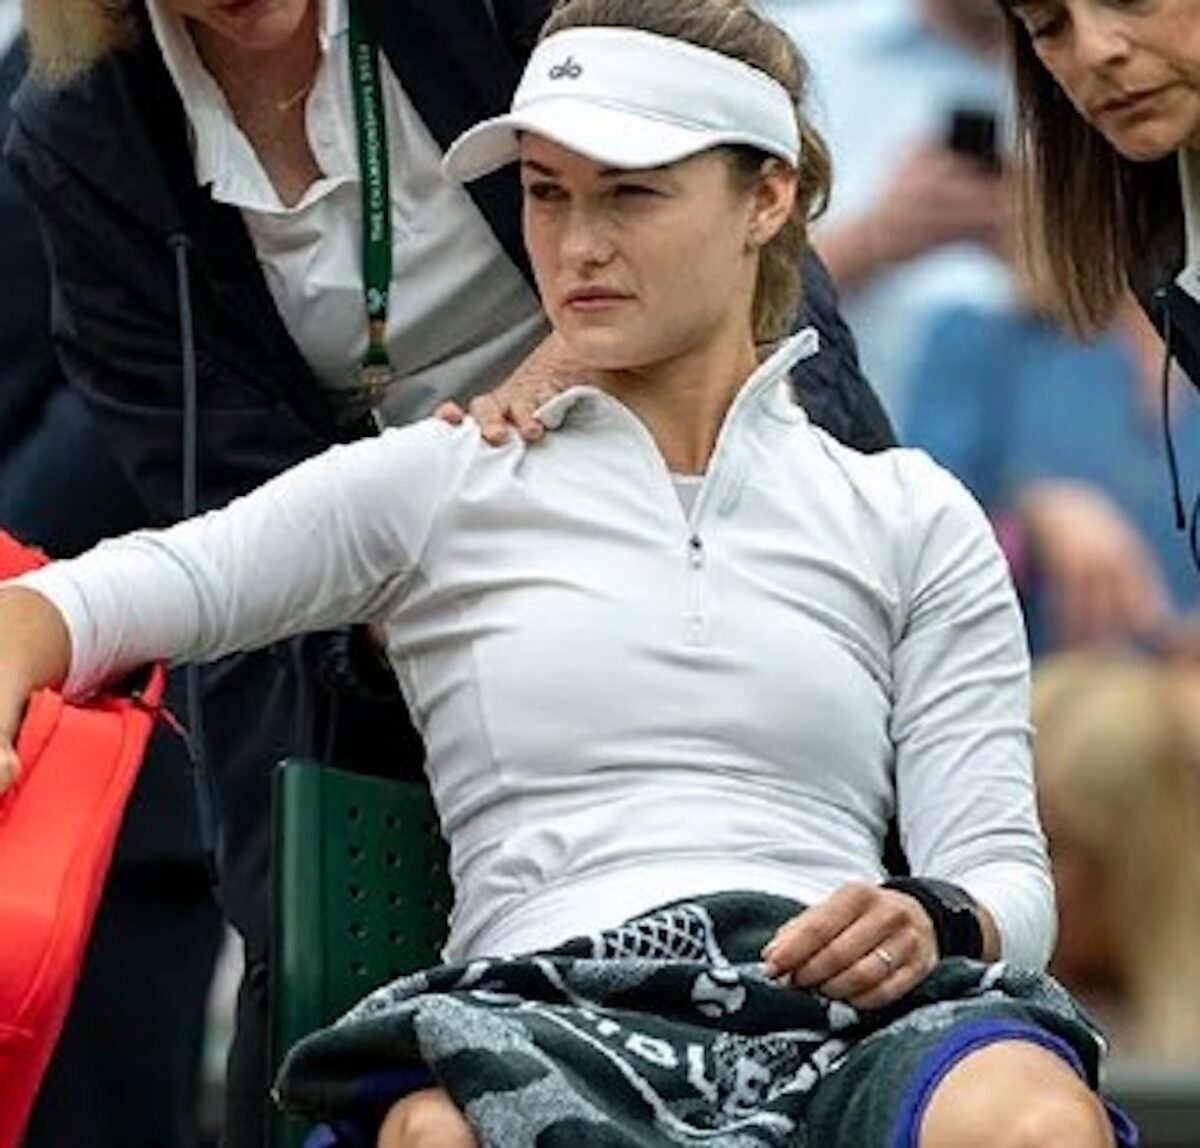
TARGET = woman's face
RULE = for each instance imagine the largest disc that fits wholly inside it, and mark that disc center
(1131, 67)
(636, 267)
(255, 25)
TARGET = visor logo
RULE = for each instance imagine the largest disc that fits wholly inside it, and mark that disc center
(567, 70)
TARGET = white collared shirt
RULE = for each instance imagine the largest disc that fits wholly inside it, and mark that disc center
(462, 316)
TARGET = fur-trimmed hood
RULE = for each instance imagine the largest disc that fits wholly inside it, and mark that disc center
(66, 37)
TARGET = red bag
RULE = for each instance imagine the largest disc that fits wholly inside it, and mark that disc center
(58, 826)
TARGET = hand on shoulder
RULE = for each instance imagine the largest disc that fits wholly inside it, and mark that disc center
(546, 372)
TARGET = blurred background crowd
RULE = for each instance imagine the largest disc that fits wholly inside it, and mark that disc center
(1061, 441)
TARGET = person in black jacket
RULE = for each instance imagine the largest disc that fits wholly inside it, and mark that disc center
(1108, 105)
(196, 167)
(126, 1069)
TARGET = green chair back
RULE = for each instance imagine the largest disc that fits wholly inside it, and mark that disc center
(360, 894)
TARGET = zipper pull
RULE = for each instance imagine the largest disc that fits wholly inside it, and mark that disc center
(695, 552)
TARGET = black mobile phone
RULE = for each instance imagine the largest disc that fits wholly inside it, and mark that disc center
(974, 132)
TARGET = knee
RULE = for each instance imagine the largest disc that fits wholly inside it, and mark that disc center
(1061, 1119)
(1015, 1095)
(425, 1119)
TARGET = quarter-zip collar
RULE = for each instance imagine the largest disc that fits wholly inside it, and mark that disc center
(768, 383)
(765, 393)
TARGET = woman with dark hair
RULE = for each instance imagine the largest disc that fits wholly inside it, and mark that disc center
(675, 665)
(1108, 101)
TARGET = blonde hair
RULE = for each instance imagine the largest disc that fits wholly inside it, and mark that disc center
(67, 37)
(1117, 765)
(735, 29)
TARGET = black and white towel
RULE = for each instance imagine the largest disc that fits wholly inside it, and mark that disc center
(664, 1031)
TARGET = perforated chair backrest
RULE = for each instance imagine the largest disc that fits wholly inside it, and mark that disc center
(360, 894)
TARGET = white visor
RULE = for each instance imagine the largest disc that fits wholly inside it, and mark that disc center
(632, 99)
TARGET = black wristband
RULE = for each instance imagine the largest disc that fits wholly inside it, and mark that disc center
(952, 911)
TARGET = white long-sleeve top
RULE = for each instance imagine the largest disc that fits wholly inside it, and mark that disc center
(624, 703)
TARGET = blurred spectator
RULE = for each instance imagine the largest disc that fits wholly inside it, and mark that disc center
(1062, 443)
(1119, 795)
(914, 226)
(126, 1069)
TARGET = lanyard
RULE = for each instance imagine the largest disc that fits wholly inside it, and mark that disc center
(375, 371)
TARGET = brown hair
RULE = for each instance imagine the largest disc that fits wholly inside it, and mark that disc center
(66, 37)
(734, 29)
(1094, 223)
(1116, 762)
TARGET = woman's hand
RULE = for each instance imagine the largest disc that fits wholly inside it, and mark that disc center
(13, 697)
(10, 767)
(547, 371)
(863, 944)
(35, 651)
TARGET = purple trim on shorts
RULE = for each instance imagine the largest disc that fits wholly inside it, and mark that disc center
(342, 1134)
(321, 1137)
(1124, 1129)
(376, 1093)
(967, 1038)
(388, 1085)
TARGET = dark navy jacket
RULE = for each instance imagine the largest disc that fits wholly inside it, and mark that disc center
(28, 374)
(108, 166)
